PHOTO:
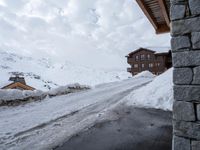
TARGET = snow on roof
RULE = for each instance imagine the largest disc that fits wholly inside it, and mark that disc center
(157, 50)
(160, 49)
(5, 83)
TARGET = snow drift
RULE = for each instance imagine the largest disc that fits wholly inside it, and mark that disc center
(14, 96)
(144, 74)
(157, 94)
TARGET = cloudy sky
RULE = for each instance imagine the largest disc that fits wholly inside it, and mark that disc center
(96, 33)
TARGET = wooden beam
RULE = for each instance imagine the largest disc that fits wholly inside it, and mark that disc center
(163, 29)
(147, 11)
(164, 10)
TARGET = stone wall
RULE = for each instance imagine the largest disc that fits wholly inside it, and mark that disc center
(185, 42)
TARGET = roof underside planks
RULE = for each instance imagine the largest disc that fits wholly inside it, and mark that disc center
(157, 11)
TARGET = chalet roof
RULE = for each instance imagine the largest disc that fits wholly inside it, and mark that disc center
(160, 49)
(137, 50)
(156, 50)
(157, 11)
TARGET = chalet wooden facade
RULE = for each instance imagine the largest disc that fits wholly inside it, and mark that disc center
(144, 59)
(18, 83)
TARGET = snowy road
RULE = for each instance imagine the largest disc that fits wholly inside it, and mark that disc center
(42, 125)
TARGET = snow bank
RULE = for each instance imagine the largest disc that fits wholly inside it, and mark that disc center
(144, 74)
(62, 90)
(157, 94)
(13, 96)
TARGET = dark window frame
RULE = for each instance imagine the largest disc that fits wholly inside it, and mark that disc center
(141, 57)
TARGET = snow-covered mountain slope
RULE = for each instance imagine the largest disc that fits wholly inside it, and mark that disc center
(44, 74)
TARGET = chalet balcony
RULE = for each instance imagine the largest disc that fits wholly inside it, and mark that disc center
(130, 60)
(129, 70)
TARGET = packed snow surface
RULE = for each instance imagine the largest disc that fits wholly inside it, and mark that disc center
(157, 94)
(44, 124)
(48, 123)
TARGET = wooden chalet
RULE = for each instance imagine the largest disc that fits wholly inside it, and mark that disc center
(18, 83)
(157, 11)
(144, 59)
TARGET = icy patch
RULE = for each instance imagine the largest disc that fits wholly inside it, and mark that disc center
(144, 74)
(157, 94)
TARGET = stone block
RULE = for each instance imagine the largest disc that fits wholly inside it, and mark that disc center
(198, 112)
(182, 75)
(195, 145)
(178, 2)
(187, 93)
(180, 42)
(186, 59)
(180, 143)
(196, 78)
(183, 111)
(177, 12)
(194, 7)
(196, 40)
(187, 129)
(184, 26)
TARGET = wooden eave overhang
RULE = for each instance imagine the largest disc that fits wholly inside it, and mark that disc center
(157, 11)
(18, 84)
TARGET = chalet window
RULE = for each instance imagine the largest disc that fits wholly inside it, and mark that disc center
(142, 57)
(142, 65)
(135, 66)
(136, 58)
(148, 56)
(158, 64)
(151, 65)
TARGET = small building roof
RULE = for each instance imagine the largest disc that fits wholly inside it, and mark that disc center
(5, 83)
(157, 11)
(20, 85)
(15, 82)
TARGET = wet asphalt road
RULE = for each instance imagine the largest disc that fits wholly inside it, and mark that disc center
(136, 129)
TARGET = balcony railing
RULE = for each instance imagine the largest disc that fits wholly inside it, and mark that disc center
(130, 60)
(128, 69)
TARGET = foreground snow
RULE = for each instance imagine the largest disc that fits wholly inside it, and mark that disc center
(15, 96)
(44, 124)
(157, 94)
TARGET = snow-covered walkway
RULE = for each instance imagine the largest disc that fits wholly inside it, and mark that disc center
(42, 125)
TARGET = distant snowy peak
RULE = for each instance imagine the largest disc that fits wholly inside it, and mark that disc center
(44, 74)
